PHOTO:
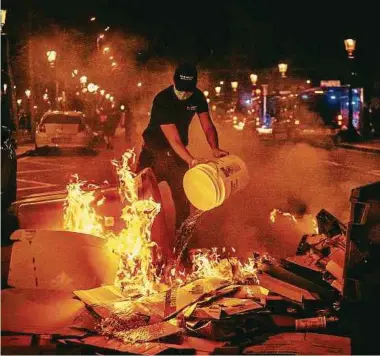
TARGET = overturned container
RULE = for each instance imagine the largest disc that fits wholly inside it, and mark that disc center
(209, 185)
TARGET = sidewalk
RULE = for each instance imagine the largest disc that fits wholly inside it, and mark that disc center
(366, 146)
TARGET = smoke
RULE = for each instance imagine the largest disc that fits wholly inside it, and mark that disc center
(291, 177)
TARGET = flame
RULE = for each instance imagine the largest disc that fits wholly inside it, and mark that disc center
(274, 212)
(79, 215)
(137, 273)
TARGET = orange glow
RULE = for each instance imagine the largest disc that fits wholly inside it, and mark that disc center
(274, 213)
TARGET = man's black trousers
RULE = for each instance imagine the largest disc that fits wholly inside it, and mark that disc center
(167, 166)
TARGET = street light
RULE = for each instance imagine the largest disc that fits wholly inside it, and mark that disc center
(350, 45)
(206, 93)
(3, 17)
(51, 57)
(19, 101)
(217, 90)
(92, 19)
(83, 79)
(92, 87)
(234, 85)
(308, 81)
(221, 82)
(139, 84)
(253, 78)
(74, 73)
(114, 64)
(102, 92)
(106, 49)
(122, 107)
(108, 96)
(282, 68)
(27, 93)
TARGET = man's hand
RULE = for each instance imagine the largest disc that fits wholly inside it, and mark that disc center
(195, 161)
(218, 153)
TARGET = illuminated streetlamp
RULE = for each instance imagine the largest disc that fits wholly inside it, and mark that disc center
(107, 28)
(106, 49)
(234, 85)
(217, 90)
(114, 64)
(3, 17)
(108, 96)
(74, 73)
(111, 98)
(27, 93)
(350, 46)
(221, 82)
(19, 101)
(308, 81)
(92, 19)
(45, 96)
(92, 87)
(122, 107)
(51, 57)
(83, 80)
(206, 93)
(139, 84)
(102, 92)
(282, 68)
(253, 78)
(111, 58)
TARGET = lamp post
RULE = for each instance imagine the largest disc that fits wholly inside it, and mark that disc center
(253, 78)
(282, 68)
(217, 90)
(51, 58)
(3, 18)
(350, 45)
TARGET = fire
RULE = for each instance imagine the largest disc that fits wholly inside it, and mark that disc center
(79, 215)
(133, 244)
(137, 273)
(274, 213)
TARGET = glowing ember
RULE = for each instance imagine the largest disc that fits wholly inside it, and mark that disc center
(274, 213)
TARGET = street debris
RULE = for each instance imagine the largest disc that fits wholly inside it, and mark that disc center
(91, 294)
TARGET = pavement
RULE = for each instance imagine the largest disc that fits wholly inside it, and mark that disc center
(367, 146)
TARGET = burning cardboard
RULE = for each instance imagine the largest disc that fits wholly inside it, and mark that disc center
(61, 260)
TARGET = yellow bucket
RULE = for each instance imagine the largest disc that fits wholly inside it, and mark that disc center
(209, 185)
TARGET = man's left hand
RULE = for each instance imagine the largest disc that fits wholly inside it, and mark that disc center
(218, 153)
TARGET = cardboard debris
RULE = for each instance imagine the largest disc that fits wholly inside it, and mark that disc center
(40, 311)
(111, 344)
(285, 289)
(100, 296)
(60, 260)
(302, 344)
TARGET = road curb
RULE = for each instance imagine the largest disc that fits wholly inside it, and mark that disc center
(364, 149)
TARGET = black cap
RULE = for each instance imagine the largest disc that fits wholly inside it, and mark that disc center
(185, 77)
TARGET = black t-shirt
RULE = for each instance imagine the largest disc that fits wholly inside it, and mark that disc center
(168, 109)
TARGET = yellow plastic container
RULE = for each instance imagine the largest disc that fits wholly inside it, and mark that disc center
(209, 185)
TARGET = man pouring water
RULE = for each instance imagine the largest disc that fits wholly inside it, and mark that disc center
(167, 134)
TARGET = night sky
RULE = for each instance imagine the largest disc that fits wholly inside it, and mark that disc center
(308, 36)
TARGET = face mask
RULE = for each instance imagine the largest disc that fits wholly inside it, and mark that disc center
(182, 95)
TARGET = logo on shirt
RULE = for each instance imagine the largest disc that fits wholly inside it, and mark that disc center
(185, 77)
(192, 107)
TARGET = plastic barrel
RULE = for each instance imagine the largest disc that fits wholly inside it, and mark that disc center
(209, 185)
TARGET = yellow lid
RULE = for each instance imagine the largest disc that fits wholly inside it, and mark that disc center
(200, 188)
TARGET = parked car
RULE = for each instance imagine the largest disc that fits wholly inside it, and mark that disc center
(63, 129)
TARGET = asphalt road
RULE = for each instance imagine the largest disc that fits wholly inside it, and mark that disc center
(284, 176)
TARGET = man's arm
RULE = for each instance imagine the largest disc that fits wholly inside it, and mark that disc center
(172, 135)
(211, 134)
